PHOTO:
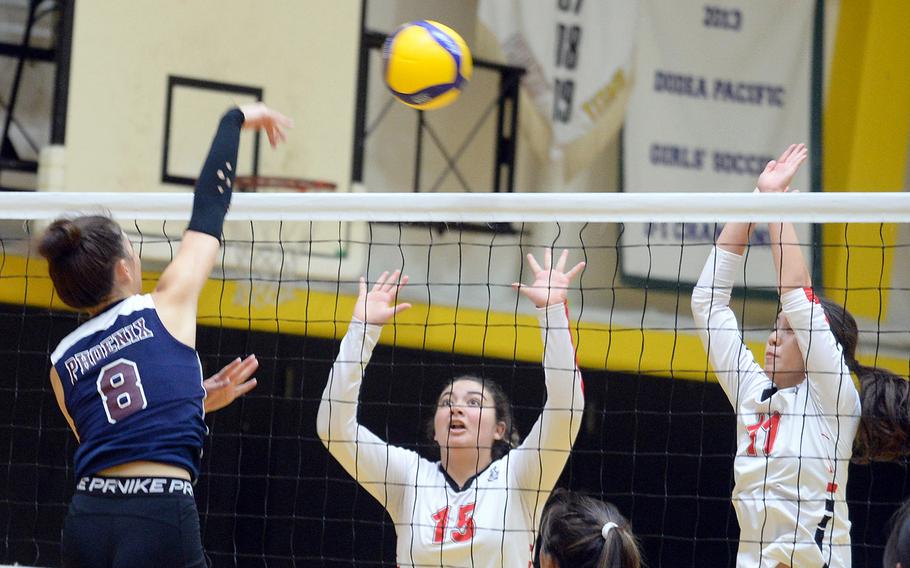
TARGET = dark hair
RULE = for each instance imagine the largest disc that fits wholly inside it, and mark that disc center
(81, 255)
(503, 414)
(898, 547)
(884, 429)
(571, 531)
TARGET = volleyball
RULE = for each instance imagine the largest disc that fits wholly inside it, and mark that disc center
(426, 64)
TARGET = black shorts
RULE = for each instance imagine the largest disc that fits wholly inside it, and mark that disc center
(132, 522)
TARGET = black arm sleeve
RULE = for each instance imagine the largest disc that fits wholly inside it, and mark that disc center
(213, 188)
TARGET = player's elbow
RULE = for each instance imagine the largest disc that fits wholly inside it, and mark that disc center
(700, 305)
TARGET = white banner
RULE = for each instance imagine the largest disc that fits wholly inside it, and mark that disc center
(721, 90)
(578, 56)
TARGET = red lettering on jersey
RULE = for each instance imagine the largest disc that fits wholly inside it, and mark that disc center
(442, 518)
(769, 428)
(463, 531)
(832, 488)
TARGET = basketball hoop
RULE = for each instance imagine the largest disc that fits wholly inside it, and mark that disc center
(253, 184)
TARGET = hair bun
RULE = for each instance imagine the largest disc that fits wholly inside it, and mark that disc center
(60, 239)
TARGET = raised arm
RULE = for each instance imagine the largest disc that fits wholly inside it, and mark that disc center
(538, 462)
(829, 378)
(789, 264)
(381, 469)
(733, 363)
(177, 293)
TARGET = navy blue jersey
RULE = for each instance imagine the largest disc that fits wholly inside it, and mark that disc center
(134, 392)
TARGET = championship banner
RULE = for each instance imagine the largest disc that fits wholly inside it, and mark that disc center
(578, 56)
(720, 91)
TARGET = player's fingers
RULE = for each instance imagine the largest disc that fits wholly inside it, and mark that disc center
(392, 281)
(401, 307)
(401, 284)
(547, 258)
(575, 270)
(270, 132)
(532, 262)
(561, 263)
(227, 369)
(246, 387)
(380, 281)
(770, 165)
(245, 369)
(787, 152)
(282, 119)
(363, 286)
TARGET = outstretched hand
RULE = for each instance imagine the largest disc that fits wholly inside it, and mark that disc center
(378, 306)
(257, 115)
(779, 173)
(222, 388)
(550, 284)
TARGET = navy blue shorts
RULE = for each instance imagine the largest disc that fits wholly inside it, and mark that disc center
(136, 521)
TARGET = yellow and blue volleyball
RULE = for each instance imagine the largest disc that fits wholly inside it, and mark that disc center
(426, 64)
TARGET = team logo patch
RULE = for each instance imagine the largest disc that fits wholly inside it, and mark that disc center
(494, 473)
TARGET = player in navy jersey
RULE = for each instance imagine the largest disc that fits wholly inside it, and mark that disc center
(129, 380)
(799, 414)
(480, 504)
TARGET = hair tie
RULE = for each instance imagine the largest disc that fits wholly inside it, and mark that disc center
(605, 531)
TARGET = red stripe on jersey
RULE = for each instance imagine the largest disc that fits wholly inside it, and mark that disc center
(832, 487)
(810, 295)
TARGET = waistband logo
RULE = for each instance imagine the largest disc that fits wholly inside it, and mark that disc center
(134, 485)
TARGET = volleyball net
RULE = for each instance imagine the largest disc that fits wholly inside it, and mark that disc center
(657, 436)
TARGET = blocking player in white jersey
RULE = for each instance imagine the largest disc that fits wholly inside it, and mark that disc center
(480, 505)
(798, 416)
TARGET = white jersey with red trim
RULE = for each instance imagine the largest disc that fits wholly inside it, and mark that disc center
(492, 520)
(793, 444)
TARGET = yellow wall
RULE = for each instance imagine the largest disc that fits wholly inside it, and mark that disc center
(866, 131)
(464, 331)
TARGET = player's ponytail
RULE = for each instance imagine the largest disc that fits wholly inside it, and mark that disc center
(81, 254)
(582, 532)
(897, 549)
(884, 430)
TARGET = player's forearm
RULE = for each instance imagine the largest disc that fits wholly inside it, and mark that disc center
(715, 322)
(212, 195)
(715, 284)
(563, 410)
(734, 237)
(337, 416)
(789, 263)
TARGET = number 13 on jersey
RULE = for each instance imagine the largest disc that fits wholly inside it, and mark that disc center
(464, 529)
